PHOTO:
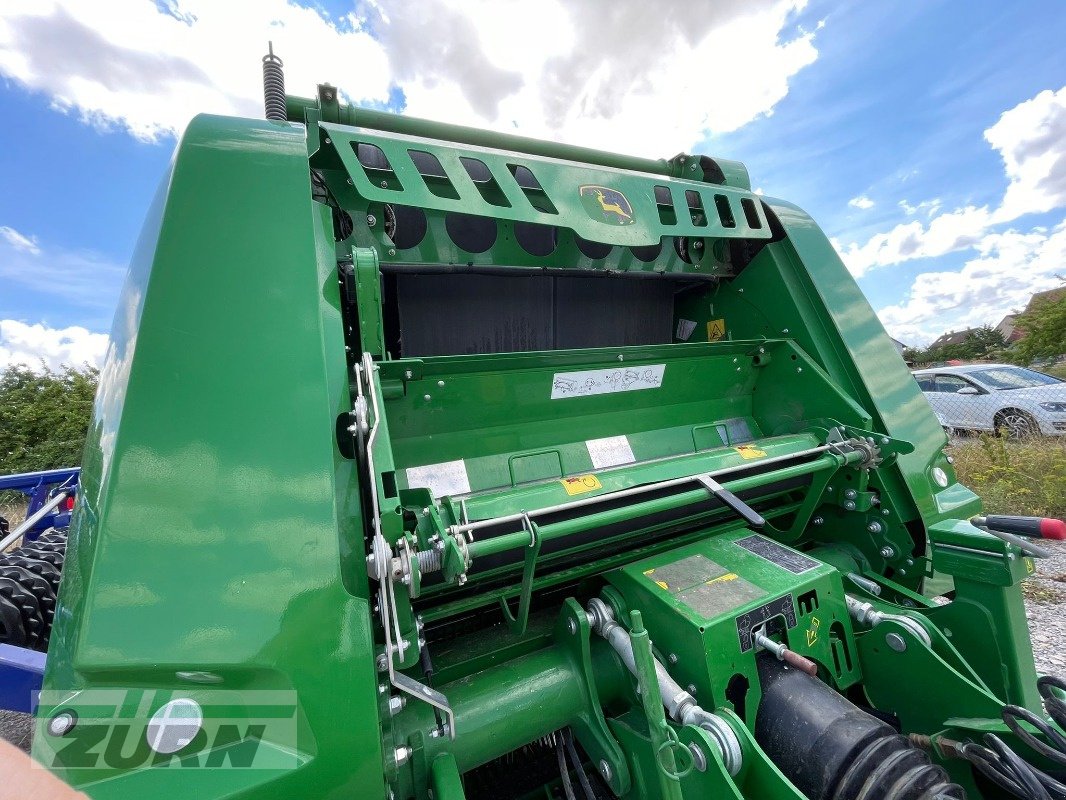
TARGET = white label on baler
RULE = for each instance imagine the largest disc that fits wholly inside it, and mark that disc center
(607, 381)
(610, 452)
(442, 480)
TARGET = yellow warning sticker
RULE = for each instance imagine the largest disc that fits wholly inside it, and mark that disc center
(715, 329)
(579, 484)
(1030, 566)
(663, 585)
(749, 451)
(729, 576)
(812, 632)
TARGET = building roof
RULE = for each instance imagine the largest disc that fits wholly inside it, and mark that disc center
(1045, 297)
(953, 337)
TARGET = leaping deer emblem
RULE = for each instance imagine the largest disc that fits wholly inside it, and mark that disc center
(611, 203)
(612, 208)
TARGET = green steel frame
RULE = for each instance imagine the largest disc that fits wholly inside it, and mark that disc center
(244, 461)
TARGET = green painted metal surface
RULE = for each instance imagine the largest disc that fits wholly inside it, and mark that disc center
(370, 563)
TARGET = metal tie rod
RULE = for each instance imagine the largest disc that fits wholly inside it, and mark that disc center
(16, 534)
(633, 491)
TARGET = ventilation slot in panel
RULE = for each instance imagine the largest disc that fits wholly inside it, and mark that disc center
(532, 189)
(486, 184)
(725, 212)
(664, 203)
(433, 174)
(376, 166)
(751, 214)
(695, 208)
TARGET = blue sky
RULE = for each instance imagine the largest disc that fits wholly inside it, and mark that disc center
(928, 139)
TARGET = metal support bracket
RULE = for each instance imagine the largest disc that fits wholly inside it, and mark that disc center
(573, 634)
(379, 566)
(518, 624)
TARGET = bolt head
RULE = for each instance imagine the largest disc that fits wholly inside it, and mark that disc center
(371, 220)
(62, 723)
(605, 770)
(817, 521)
(850, 505)
(428, 397)
(571, 625)
(887, 552)
(896, 642)
(672, 658)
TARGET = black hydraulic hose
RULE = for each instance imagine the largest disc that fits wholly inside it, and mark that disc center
(582, 778)
(1022, 772)
(1056, 751)
(1054, 704)
(996, 761)
(564, 770)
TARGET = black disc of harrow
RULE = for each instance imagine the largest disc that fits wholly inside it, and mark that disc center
(29, 584)
(39, 587)
(32, 623)
(47, 570)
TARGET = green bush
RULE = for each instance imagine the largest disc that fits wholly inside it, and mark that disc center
(43, 417)
(1015, 477)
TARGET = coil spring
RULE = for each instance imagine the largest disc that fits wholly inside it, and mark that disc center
(429, 561)
(273, 86)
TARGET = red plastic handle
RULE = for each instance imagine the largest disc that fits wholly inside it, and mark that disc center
(1051, 528)
(1033, 527)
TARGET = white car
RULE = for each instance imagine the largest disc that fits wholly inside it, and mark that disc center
(1013, 401)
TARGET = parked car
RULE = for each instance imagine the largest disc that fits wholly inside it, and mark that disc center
(1009, 400)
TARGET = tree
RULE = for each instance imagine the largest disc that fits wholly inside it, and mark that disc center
(983, 342)
(1045, 331)
(44, 417)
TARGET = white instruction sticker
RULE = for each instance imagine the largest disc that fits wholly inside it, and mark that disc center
(685, 327)
(442, 480)
(610, 452)
(607, 381)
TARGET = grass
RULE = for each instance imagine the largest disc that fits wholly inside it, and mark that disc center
(1059, 371)
(1027, 478)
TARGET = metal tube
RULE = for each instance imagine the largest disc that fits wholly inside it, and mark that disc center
(512, 541)
(510, 705)
(29, 522)
(429, 129)
(651, 487)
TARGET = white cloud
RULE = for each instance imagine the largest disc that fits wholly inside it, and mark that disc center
(946, 233)
(33, 344)
(927, 207)
(1031, 137)
(27, 244)
(861, 202)
(82, 285)
(1008, 269)
(548, 69)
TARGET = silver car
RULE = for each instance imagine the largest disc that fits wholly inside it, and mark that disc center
(1009, 400)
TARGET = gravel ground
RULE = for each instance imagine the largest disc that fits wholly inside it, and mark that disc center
(1045, 595)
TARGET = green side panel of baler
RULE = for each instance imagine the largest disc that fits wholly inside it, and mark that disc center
(216, 526)
(799, 288)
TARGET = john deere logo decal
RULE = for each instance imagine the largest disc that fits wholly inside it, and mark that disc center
(607, 205)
